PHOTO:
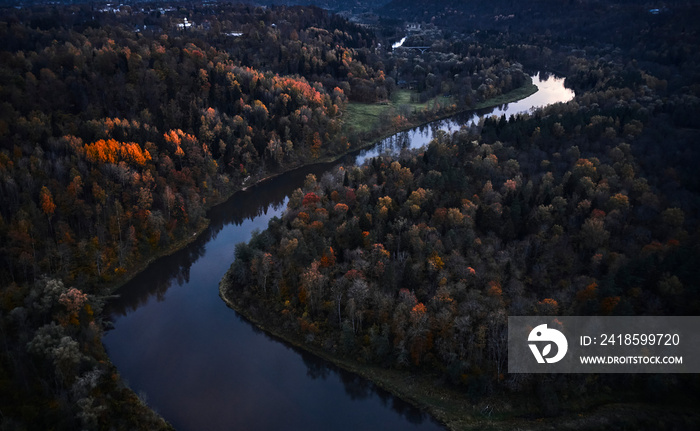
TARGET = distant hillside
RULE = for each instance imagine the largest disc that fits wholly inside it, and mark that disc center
(617, 22)
(332, 5)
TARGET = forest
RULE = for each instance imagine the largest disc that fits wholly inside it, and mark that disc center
(120, 127)
(566, 221)
(414, 263)
(114, 140)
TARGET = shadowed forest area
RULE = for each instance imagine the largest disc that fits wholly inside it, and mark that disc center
(586, 208)
(120, 127)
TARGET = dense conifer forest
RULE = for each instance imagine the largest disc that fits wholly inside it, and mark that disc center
(121, 126)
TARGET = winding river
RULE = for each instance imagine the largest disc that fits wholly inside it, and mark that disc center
(202, 367)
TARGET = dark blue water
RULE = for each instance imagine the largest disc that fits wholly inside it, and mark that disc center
(202, 367)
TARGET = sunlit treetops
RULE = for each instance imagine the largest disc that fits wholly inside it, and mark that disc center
(112, 151)
(124, 138)
(299, 90)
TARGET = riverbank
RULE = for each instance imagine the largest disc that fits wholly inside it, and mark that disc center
(457, 411)
(400, 384)
(366, 140)
(254, 180)
(453, 406)
(373, 112)
(363, 117)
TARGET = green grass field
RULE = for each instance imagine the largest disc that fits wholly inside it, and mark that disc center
(364, 117)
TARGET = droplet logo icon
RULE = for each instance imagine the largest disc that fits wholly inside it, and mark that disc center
(542, 333)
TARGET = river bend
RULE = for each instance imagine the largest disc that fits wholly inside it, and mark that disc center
(202, 367)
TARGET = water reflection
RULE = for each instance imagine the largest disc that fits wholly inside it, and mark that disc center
(267, 197)
(550, 90)
(358, 388)
(399, 43)
(257, 200)
(158, 277)
(203, 367)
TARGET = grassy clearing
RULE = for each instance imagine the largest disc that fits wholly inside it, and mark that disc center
(362, 117)
(365, 117)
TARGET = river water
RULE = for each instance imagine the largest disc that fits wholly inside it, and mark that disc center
(202, 367)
